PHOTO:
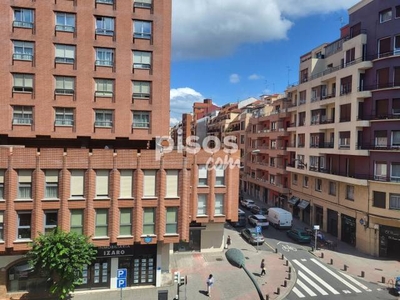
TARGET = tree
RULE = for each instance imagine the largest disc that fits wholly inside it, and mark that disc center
(62, 255)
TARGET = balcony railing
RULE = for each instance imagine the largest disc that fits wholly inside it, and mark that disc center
(67, 28)
(22, 56)
(381, 85)
(322, 145)
(357, 175)
(23, 24)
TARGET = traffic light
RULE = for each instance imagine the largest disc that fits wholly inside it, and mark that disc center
(183, 281)
(177, 277)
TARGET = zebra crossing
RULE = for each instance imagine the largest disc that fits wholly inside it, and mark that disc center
(309, 284)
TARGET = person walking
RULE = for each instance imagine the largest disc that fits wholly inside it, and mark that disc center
(228, 242)
(210, 283)
(262, 266)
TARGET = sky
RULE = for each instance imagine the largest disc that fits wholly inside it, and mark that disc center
(230, 50)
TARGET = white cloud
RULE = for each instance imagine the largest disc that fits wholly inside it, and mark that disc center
(215, 28)
(255, 77)
(181, 101)
(234, 78)
(173, 121)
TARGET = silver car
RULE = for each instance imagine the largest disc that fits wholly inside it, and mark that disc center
(251, 236)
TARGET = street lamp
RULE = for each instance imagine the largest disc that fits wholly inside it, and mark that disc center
(236, 259)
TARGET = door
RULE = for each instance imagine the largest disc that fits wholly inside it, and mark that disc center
(100, 273)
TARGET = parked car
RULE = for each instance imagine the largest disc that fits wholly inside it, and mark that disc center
(252, 237)
(255, 209)
(246, 202)
(298, 235)
(258, 220)
(279, 218)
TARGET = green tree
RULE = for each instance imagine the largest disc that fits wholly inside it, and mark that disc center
(62, 255)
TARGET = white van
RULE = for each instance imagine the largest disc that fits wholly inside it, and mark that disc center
(279, 218)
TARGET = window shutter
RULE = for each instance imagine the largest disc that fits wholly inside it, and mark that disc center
(145, 1)
(126, 184)
(69, 83)
(59, 82)
(219, 171)
(18, 80)
(149, 183)
(1, 218)
(60, 50)
(24, 176)
(145, 87)
(77, 182)
(52, 176)
(2, 176)
(70, 51)
(202, 172)
(172, 183)
(102, 182)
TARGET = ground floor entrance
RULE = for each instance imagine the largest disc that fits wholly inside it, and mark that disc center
(348, 232)
(389, 242)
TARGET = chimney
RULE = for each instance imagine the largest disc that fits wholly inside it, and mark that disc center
(207, 101)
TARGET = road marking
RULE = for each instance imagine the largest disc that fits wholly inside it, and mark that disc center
(306, 288)
(346, 292)
(336, 276)
(298, 293)
(356, 282)
(303, 259)
(312, 283)
(316, 277)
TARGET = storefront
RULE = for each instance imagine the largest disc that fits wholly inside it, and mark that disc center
(389, 242)
(194, 243)
(348, 231)
(304, 207)
(332, 222)
(292, 206)
(319, 216)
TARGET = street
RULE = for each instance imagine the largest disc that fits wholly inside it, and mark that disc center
(315, 278)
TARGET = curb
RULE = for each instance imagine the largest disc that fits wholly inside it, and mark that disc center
(292, 282)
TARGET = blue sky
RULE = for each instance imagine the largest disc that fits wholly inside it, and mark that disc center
(229, 50)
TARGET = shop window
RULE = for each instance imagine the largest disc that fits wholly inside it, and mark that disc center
(23, 277)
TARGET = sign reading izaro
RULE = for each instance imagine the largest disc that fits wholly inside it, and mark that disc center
(115, 250)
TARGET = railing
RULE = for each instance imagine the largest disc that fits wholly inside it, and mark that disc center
(103, 124)
(22, 56)
(64, 91)
(64, 60)
(141, 66)
(103, 94)
(103, 31)
(67, 28)
(378, 86)
(380, 117)
(322, 145)
(384, 54)
(357, 175)
(141, 4)
(64, 122)
(141, 125)
(336, 68)
(105, 1)
(142, 35)
(23, 89)
(141, 95)
(107, 63)
(23, 24)
(22, 121)
(344, 143)
(321, 121)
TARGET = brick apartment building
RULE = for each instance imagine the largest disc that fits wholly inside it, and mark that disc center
(84, 90)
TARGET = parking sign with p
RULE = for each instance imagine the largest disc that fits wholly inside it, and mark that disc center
(121, 278)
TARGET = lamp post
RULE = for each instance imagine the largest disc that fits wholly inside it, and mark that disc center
(236, 259)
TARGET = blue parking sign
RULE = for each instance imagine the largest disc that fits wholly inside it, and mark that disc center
(258, 229)
(122, 273)
(121, 283)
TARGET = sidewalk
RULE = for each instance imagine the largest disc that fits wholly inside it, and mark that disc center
(374, 268)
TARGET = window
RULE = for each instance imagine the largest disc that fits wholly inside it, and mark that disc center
(141, 89)
(305, 181)
(24, 225)
(202, 204)
(141, 60)
(385, 15)
(65, 85)
(104, 87)
(141, 119)
(142, 3)
(2, 184)
(149, 183)
(104, 26)
(380, 171)
(141, 29)
(379, 199)
(172, 184)
(24, 184)
(51, 186)
(64, 54)
(220, 175)
(22, 115)
(203, 172)
(101, 225)
(149, 220)
(104, 57)
(102, 183)
(125, 222)
(103, 118)
(23, 50)
(349, 192)
(77, 183)
(396, 45)
(50, 221)
(219, 204)
(272, 179)
(332, 188)
(395, 172)
(381, 139)
(23, 18)
(395, 138)
(76, 223)
(64, 116)
(318, 184)
(384, 47)
(125, 190)
(397, 11)
(65, 22)
(394, 201)
(23, 83)
(294, 179)
(105, 1)
(171, 220)
(1, 225)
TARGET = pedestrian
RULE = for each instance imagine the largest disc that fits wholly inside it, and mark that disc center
(262, 266)
(228, 241)
(210, 283)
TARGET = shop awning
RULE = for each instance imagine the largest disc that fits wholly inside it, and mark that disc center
(303, 204)
(293, 200)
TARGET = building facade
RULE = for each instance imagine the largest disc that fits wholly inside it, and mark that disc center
(84, 93)
(344, 140)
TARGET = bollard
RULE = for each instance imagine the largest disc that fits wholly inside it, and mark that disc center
(276, 250)
(331, 261)
(290, 270)
(267, 297)
(312, 249)
(278, 291)
(284, 283)
(362, 274)
(287, 263)
(344, 268)
(383, 279)
(282, 257)
(288, 276)
(322, 254)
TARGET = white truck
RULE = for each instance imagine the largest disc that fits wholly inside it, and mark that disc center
(279, 218)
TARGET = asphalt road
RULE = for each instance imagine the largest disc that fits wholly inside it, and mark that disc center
(315, 279)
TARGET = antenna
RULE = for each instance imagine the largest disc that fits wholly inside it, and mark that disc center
(288, 74)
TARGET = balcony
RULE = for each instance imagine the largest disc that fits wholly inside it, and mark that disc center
(344, 143)
(348, 177)
(322, 145)
(380, 85)
(321, 120)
